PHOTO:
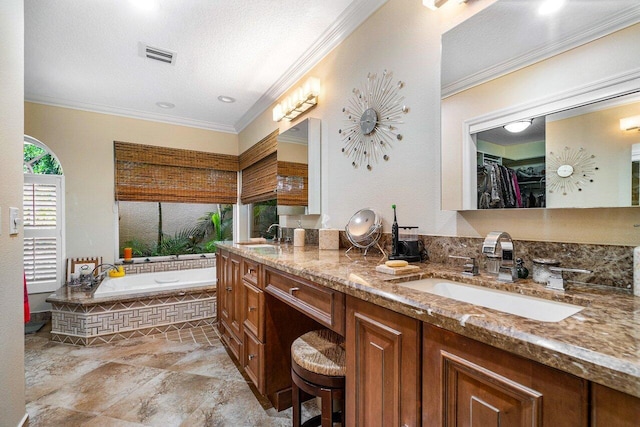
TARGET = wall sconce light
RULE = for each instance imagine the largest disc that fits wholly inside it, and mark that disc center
(435, 4)
(518, 126)
(303, 98)
(630, 123)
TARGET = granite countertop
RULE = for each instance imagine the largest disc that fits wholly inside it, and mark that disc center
(601, 343)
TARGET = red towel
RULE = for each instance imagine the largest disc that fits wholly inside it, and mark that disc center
(27, 312)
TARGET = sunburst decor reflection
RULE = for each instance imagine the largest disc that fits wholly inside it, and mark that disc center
(372, 116)
(570, 170)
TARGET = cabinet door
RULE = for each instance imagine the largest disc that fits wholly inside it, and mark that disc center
(468, 383)
(254, 360)
(224, 289)
(253, 311)
(236, 311)
(383, 366)
(612, 408)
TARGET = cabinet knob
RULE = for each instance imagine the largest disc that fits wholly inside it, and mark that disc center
(292, 290)
(229, 288)
(252, 308)
(251, 356)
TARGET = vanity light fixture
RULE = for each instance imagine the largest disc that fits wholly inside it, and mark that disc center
(518, 126)
(435, 4)
(630, 123)
(303, 98)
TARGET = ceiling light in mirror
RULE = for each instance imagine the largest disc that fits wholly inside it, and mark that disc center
(226, 99)
(166, 105)
(550, 6)
(518, 126)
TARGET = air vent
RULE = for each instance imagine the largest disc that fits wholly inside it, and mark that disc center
(157, 54)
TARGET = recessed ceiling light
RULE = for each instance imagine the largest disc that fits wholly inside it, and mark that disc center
(550, 6)
(518, 126)
(226, 99)
(165, 105)
(145, 5)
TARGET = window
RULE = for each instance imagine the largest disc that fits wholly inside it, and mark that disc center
(263, 215)
(43, 218)
(162, 228)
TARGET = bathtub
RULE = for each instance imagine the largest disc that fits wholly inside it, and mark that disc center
(132, 284)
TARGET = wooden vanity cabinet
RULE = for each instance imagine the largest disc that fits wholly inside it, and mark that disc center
(253, 321)
(383, 367)
(229, 300)
(468, 383)
(612, 408)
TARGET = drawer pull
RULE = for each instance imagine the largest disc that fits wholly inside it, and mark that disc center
(252, 308)
(251, 356)
(229, 288)
(292, 290)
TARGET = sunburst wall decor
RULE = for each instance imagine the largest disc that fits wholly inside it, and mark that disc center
(570, 170)
(373, 114)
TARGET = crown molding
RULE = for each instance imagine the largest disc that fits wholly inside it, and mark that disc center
(130, 113)
(616, 23)
(357, 12)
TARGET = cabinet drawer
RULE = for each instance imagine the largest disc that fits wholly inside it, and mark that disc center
(322, 304)
(234, 344)
(254, 311)
(250, 272)
(254, 360)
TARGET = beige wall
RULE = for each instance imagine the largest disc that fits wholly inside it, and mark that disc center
(12, 397)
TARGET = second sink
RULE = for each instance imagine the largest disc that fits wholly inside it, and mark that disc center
(520, 305)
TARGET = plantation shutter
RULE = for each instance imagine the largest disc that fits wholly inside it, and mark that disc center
(259, 166)
(160, 174)
(42, 209)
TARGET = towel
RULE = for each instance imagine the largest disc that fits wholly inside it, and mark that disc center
(27, 312)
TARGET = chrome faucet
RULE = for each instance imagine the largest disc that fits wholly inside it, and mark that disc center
(556, 280)
(470, 268)
(502, 262)
(278, 237)
(104, 272)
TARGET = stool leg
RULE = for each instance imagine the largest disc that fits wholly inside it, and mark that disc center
(327, 408)
(295, 403)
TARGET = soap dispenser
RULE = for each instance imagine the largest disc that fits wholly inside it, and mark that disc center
(298, 235)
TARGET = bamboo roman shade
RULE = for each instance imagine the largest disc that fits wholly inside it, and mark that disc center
(160, 174)
(259, 166)
(296, 196)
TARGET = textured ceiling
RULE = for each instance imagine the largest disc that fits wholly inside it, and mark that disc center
(85, 54)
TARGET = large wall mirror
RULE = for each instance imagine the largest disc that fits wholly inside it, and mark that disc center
(570, 80)
(300, 145)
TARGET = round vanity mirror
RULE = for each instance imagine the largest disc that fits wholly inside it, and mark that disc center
(364, 229)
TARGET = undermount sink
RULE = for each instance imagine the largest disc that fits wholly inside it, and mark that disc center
(259, 245)
(520, 305)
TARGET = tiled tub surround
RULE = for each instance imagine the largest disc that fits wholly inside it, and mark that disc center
(600, 343)
(611, 265)
(79, 318)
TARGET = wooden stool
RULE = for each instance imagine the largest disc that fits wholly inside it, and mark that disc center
(318, 367)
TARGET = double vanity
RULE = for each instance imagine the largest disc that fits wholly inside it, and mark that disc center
(436, 347)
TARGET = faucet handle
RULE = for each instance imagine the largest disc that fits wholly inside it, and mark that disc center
(470, 269)
(556, 280)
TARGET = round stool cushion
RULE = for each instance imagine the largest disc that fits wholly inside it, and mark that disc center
(321, 352)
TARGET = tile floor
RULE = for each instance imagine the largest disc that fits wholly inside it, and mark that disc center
(181, 378)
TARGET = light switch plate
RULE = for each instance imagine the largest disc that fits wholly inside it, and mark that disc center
(14, 220)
